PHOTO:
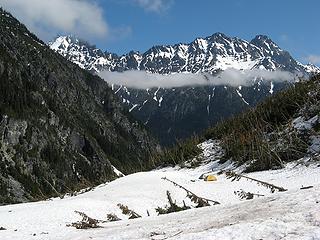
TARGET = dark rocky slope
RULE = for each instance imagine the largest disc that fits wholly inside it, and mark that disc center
(61, 128)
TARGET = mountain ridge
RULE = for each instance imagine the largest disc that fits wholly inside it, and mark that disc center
(209, 54)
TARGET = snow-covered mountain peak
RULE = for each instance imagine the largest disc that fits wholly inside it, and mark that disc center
(266, 44)
(61, 42)
(82, 53)
(311, 68)
(262, 39)
(216, 36)
(210, 54)
(64, 42)
(201, 43)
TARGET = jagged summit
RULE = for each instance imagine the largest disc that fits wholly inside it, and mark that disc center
(261, 38)
(266, 44)
(210, 54)
(311, 68)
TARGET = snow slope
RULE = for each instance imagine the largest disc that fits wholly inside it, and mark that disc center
(294, 214)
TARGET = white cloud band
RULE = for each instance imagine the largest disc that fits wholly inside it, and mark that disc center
(231, 77)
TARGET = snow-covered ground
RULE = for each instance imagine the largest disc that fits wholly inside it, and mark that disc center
(294, 214)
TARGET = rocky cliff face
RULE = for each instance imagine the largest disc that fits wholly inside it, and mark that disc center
(61, 128)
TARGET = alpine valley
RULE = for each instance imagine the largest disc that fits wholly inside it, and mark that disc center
(77, 160)
(178, 113)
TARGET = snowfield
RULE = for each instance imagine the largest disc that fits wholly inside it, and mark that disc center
(294, 214)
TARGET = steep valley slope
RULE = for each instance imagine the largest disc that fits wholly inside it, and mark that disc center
(61, 128)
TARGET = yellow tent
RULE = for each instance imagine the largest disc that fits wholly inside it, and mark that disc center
(210, 178)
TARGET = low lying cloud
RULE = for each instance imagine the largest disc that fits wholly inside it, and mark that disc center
(230, 77)
(47, 17)
(315, 59)
(157, 6)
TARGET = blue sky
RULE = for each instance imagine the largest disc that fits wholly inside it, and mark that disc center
(293, 24)
(122, 25)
